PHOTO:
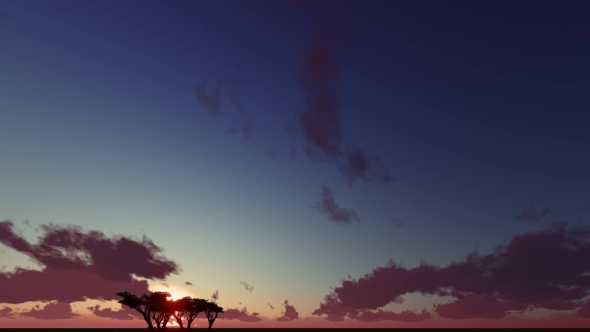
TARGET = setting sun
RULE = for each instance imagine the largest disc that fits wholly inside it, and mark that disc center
(175, 292)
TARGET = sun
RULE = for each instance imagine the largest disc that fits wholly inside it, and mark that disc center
(176, 293)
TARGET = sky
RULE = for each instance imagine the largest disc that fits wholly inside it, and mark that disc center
(302, 163)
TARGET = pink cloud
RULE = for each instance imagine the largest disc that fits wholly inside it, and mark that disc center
(51, 311)
(215, 295)
(188, 283)
(125, 313)
(530, 213)
(545, 269)
(165, 284)
(289, 314)
(92, 265)
(241, 315)
(7, 312)
(270, 305)
(335, 213)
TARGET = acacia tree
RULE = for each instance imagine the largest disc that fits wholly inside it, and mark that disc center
(161, 309)
(211, 311)
(195, 307)
(179, 309)
(140, 304)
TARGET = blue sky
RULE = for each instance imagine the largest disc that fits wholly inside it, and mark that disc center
(477, 109)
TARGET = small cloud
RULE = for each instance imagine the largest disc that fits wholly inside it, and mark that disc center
(125, 313)
(289, 314)
(51, 311)
(247, 287)
(215, 295)
(270, 305)
(165, 284)
(28, 223)
(330, 208)
(530, 213)
(188, 283)
(241, 315)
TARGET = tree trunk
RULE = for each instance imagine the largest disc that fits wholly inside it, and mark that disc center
(211, 321)
(188, 323)
(179, 321)
(148, 321)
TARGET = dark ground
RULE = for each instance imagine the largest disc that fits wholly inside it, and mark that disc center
(272, 329)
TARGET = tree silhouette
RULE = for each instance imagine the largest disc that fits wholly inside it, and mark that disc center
(158, 307)
(179, 309)
(194, 307)
(140, 304)
(161, 308)
(212, 310)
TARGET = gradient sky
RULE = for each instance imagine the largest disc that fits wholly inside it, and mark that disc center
(234, 135)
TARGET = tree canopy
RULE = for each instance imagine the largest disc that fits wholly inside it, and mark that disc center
(158, 308)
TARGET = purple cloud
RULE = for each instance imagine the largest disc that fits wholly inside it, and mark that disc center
(241, 315)
(91, 264)
(125, 313)
(289, 314)
(330, 208)
(7, 312)
(51, 311)
(477, 306)
(545, 269)
(319, 124)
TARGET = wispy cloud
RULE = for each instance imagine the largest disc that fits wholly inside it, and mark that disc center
(320, 124)
(335, 213)
(247, 287)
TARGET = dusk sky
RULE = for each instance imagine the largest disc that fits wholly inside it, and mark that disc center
(311, 163)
